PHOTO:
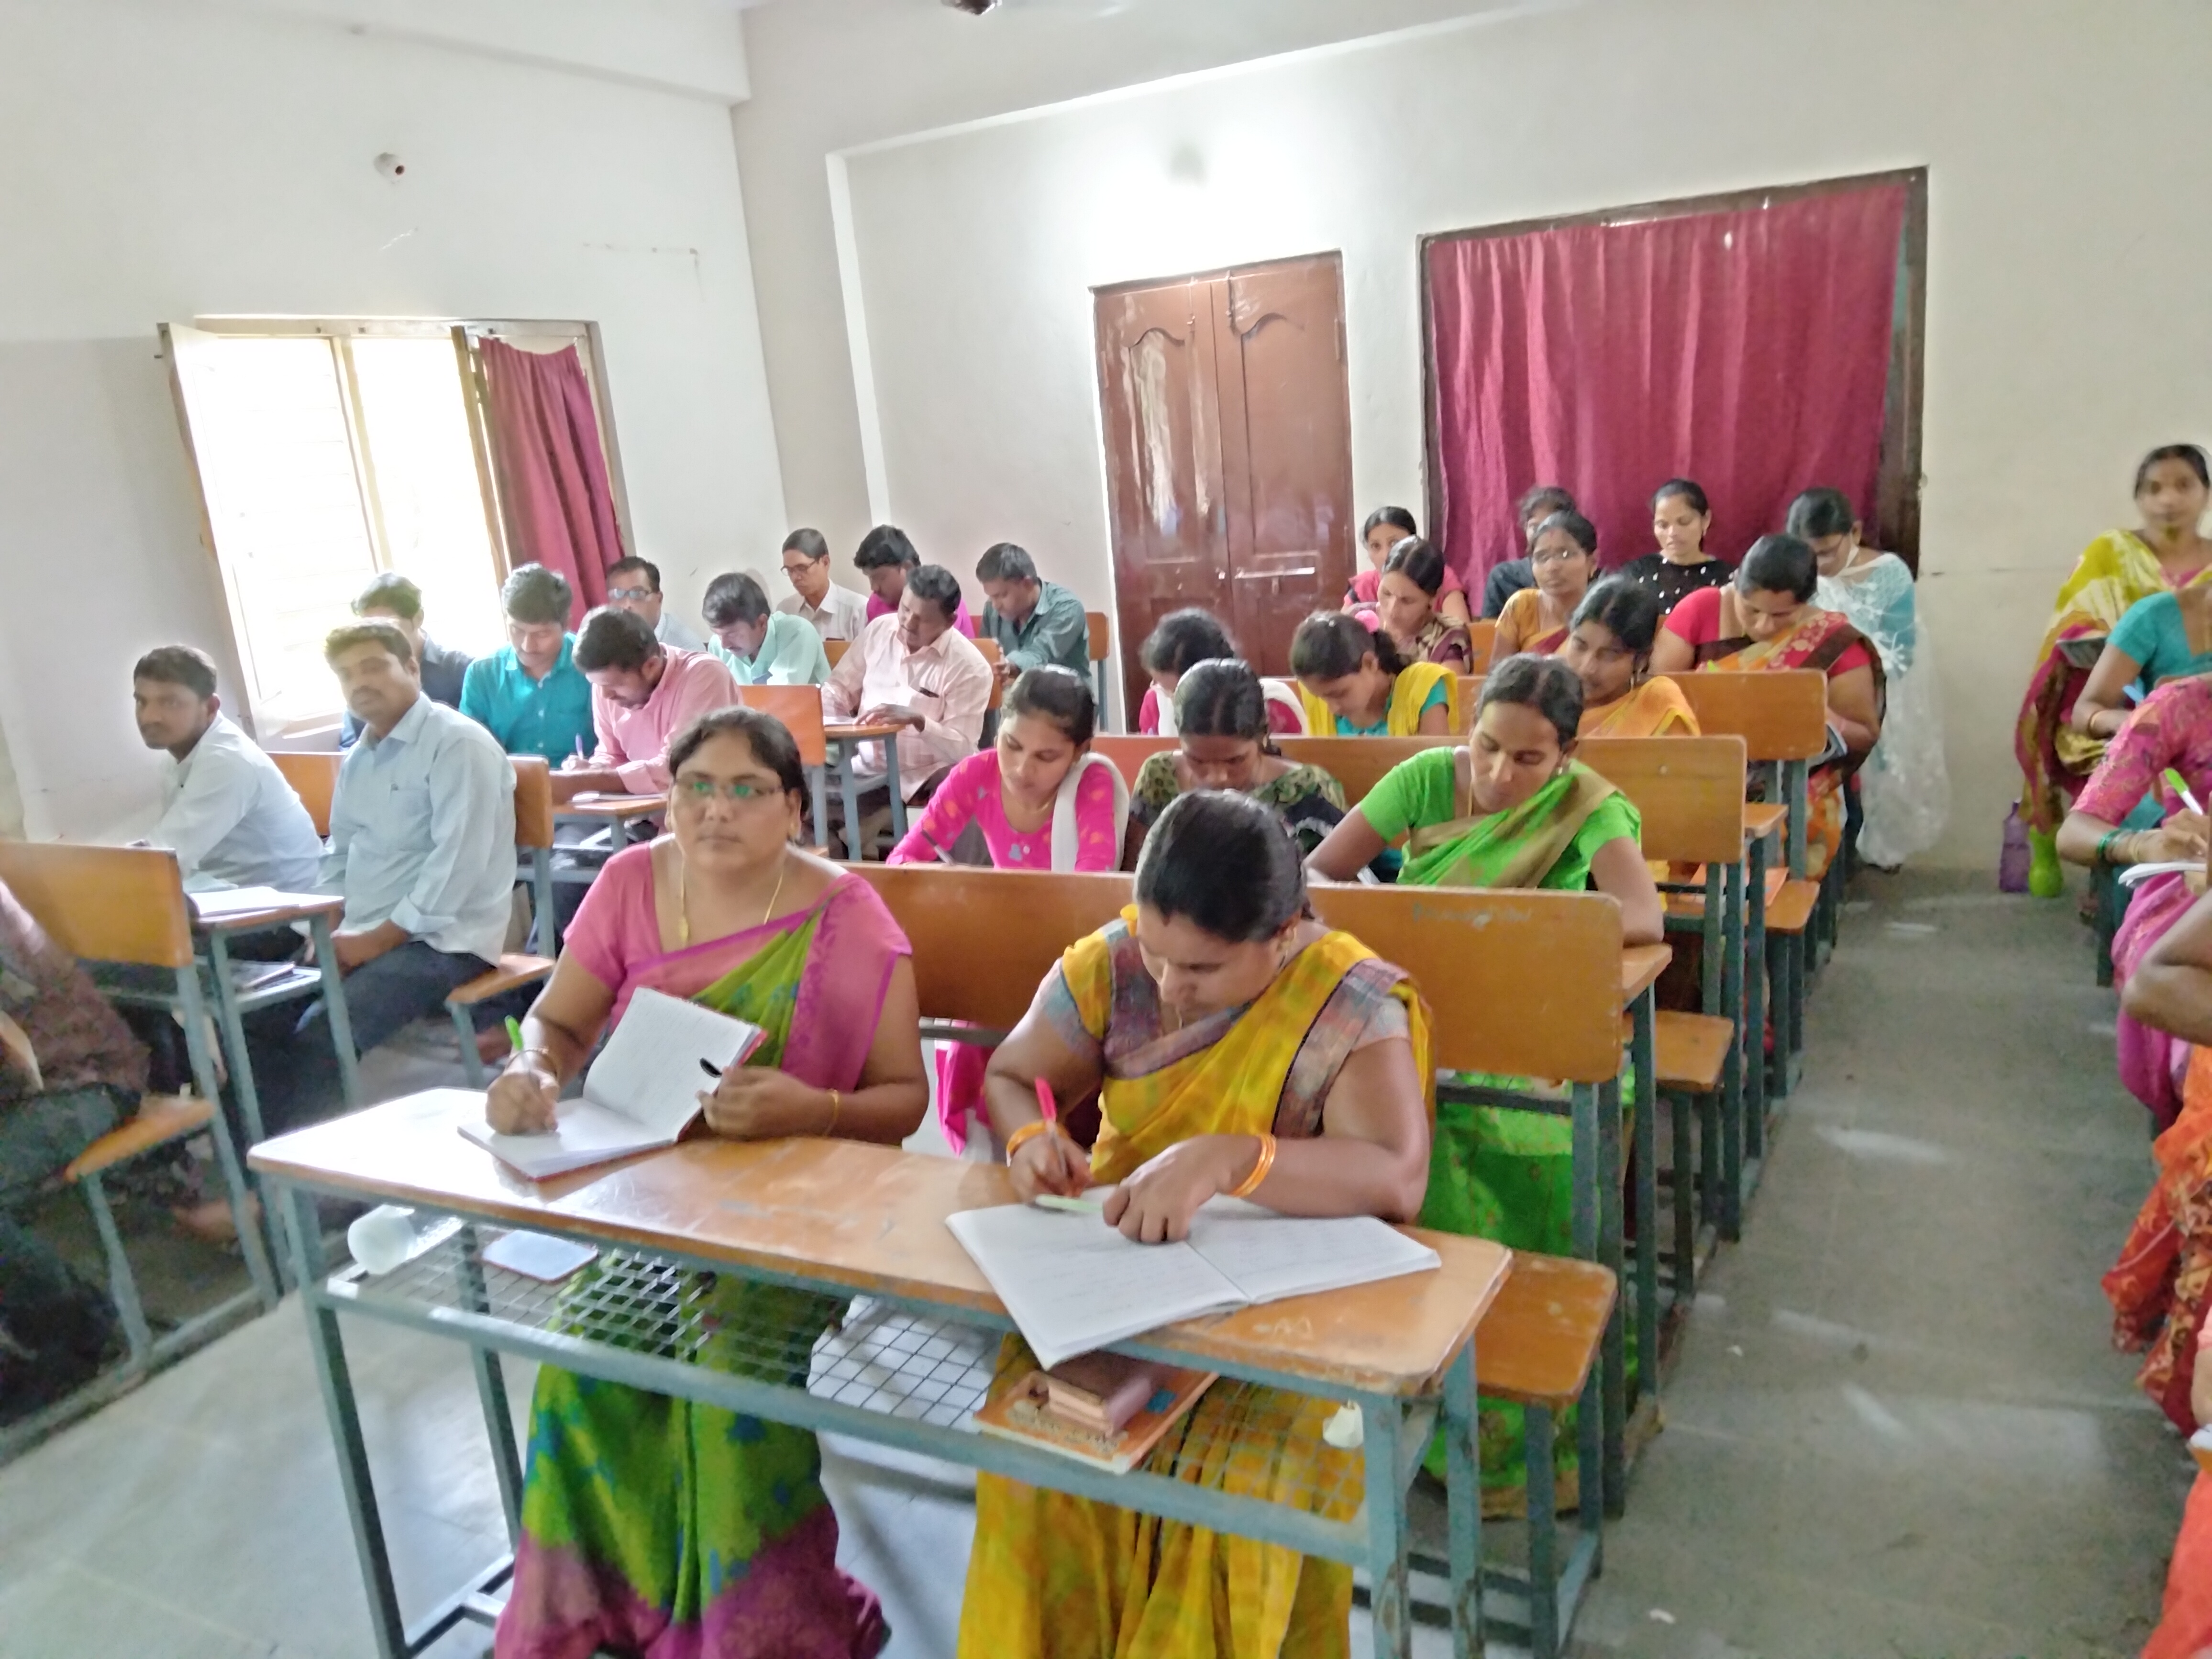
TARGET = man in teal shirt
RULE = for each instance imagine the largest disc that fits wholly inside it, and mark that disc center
(1034, 622)
(762, 646)
(532, 696)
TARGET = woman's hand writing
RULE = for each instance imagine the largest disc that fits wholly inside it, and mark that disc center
(1155, 1205)
(521, 1099)
(1049, 1163)
(758, 1102)
(2180, 839)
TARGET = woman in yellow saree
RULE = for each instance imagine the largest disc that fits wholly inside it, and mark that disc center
(2121, 566)
(1239, 1046)
(1766, 620)
(1609, 647)
(1353, 681)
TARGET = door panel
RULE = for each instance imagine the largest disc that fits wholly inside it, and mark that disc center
(1228, 452)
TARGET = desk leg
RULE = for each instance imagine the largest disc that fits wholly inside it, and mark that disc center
(194, 1012)
(337, 1018)
(898, 796)
(1388, 1600)
(819, 789)
(1644, 1053)
(850, 789)
(1729, 1221)
(1463, 1505)
(491, 1391)
(1544, 1528)
(234, 1042)
(1755, 988)
(1616, 1331)
(358, 1484)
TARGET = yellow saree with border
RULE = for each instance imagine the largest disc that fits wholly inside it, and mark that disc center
(1655, 708)
(1056, 1576)
(1409, 695)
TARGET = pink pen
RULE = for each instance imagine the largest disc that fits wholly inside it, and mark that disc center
(1044, 1101)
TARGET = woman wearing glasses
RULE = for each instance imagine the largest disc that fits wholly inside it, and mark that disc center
(1563, 556)
(649, 1523)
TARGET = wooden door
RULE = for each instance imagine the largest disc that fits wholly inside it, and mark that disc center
(1227, 423)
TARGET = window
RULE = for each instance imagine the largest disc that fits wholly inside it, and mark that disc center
(329, 451)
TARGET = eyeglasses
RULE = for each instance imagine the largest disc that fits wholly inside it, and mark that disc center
(700, 791)
(1557, 556)
(629, 592)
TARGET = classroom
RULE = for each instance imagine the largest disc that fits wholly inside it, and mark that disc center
(704, 945)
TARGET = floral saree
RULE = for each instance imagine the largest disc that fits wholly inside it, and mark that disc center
(2161, 1286)
(1056, 1576)
(2114, 572)
(660, 1527)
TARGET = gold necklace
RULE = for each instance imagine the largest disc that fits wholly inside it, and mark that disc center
(683, 898)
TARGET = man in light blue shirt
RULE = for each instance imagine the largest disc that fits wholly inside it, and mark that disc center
(532, 696)
(422, 848)
(762, 647)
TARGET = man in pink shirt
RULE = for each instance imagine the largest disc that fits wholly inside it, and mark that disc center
(916, 671)
(643, 693)
(886, 559)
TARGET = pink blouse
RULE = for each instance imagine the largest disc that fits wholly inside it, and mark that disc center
(970, 794)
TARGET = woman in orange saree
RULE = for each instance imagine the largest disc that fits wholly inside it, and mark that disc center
(1766, 620)
(2173, 485)
(1239, 1046)
(1563, 555)
(1609, 645)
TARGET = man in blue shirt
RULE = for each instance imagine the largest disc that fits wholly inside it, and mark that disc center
(761, 646)
(532, 696)
(1034, 622)
(391, 598)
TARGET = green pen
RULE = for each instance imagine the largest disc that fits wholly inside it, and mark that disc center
(2180, 787)
(515, 1032)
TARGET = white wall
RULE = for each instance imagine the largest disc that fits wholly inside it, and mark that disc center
(159, 161)
(2066, 325)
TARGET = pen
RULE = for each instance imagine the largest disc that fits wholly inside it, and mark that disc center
(515, 1032)
(1044, 1095)
(2174, 781)
(710, 1068)
(1070, 1206)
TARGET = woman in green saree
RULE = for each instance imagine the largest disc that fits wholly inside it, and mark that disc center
(1514, 808)
(653, 1526)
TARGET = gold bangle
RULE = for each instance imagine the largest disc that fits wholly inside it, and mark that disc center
(545, 1055)
(1026, 1133)
(836, 1104)
(1260, 1165)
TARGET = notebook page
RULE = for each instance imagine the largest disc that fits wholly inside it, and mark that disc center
(1269, 1256)
(583, 1134)
(1072, 1284)
(237, 901)
(649, 1070)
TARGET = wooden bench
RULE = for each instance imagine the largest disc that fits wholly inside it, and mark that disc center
(1482, 634)
(533, 836)
(984, 939)
(127, 906)
(313, 775)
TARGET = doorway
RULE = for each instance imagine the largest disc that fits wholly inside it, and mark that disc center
(1228, 435)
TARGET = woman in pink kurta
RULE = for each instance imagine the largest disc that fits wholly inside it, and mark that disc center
(1037, 800)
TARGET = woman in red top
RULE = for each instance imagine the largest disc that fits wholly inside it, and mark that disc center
(1766, 619)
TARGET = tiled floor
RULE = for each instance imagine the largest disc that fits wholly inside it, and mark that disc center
(1898, 1430)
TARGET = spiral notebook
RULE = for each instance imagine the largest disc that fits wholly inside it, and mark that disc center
(641, 1092)
(1072, 1283)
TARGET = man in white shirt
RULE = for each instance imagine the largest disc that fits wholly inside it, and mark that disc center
(227, 813)
(634, 584)
(914, 669)
(837, 613)
(422, 849)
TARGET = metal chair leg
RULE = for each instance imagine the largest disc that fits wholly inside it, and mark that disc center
(122, 1283)
(1685, 1217)
(464, 1029)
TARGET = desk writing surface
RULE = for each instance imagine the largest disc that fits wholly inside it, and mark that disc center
(618, 807)
(1640, 968)
(837, 732)
(302, 909)
(1762, 818)
(872, 1218)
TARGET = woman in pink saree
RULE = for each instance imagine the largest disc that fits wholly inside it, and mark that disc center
(650, 1526)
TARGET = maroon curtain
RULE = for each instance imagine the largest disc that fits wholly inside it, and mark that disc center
(1748, 350)
(554, 492)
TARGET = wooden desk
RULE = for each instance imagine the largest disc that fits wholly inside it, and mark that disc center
(846, 1219)
(844, 740)
(320, 912)
(603, 808)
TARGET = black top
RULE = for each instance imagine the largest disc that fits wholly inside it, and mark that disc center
(1674, 583)
(1506, 581)
(443, 671)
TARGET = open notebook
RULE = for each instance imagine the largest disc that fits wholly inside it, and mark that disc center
(641, 1092)
(1072, 1284)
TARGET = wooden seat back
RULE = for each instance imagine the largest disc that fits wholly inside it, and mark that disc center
(1466, 691)
(1689, 792)
(1102, 634)
(800, 709)
(993, 656)
(835, 650)
(533, 801)
(1781, 716)
(313, 775)
(1358, 763)
(1522, 983)
(1483, 632)
(1129, 754)
(103, 903)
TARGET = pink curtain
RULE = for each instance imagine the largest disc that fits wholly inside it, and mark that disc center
(1748, 351)
(554, 492)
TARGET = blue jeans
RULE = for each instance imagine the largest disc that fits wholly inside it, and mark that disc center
(295, 1069)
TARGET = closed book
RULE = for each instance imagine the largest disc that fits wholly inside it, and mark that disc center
(1021, 1410)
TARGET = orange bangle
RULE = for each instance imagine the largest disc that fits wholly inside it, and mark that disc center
(1023, 1136)
(1264, 1162)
